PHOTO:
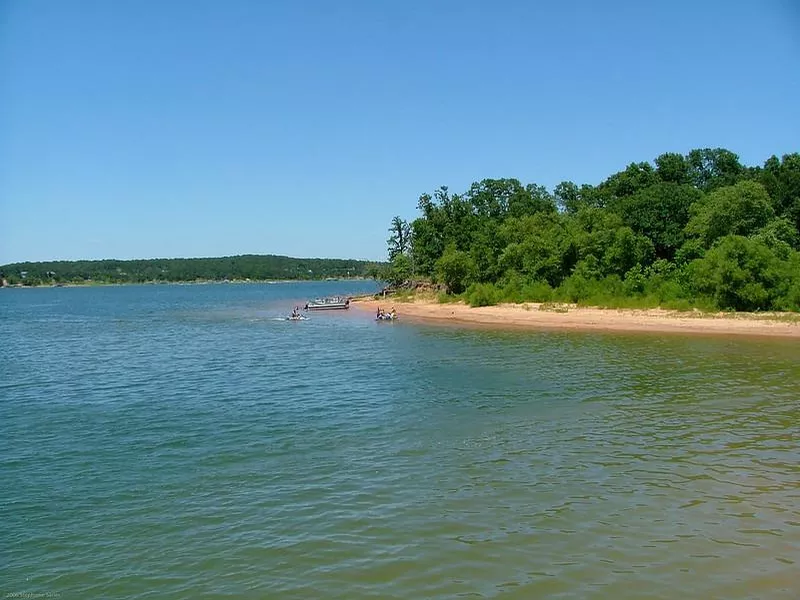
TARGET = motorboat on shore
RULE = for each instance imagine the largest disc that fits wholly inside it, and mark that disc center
(328, 303)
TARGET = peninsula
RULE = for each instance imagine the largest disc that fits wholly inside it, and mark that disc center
(694, 234)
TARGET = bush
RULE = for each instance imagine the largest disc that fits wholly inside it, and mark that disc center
(537, 291)
(691, 250)
(511, 288)
(445, 298)
(516, 289)
(780, 235)
(667, 291)
(635, 281)
(454, 268)
(679, 305)
(741, 274)
(579, 289)
(574, 288)
(399, 270)
(791, 301)
(482, 294)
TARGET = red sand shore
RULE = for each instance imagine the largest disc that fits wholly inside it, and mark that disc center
(537, 316)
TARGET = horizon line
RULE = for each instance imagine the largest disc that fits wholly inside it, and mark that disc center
(53, 260)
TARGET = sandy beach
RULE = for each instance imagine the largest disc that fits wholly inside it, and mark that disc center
(571, 317)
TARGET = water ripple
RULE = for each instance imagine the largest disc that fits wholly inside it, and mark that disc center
(173, 442)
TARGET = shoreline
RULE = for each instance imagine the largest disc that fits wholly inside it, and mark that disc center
(549, 317)
(90, 284)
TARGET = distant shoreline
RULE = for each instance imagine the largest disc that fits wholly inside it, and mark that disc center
(536, 316)
(89, 284)
(250, 268)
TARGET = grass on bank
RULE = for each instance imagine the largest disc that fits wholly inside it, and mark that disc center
(593, 294)
(481, 295)
(609, 293)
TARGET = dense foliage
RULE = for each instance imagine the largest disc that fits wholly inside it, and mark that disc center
(694, 230)
(253, 267)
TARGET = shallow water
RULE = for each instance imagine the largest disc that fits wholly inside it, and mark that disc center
(185, 441)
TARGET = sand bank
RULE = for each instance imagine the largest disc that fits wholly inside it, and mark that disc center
(549, 316)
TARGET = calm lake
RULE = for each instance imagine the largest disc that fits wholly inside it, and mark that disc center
(184, 441)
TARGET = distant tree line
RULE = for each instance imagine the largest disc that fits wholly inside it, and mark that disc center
(700, 229)
(252, 267)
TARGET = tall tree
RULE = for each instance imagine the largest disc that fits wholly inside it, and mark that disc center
(567, 196)
(400, 238)
(739, 209)
(660, 212)
(781, 178)
(454, 269)
(635, 177)
(710, 169)
(672, 167)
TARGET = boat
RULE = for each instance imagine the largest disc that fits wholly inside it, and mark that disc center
(386, 317)
(297, 318)
(329, 303)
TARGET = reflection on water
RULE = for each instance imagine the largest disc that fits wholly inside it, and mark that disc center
(178, 442)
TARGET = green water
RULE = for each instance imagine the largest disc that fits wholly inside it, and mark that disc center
(183, 442)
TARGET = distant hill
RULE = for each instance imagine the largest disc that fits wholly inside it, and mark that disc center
(244, 267)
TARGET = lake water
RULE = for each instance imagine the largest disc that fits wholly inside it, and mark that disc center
(184, 442)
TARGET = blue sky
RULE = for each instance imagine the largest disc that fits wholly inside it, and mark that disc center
(139, 129)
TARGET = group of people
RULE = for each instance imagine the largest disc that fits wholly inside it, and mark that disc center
(384, 315)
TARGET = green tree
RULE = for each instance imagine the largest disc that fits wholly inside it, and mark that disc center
(400, 239)
(568, 197)
(454, 269)
(740, 274)
(399, 271)
(536, 199)
(635, 177)
(781, 179)
(672, 168)
(740, 209)
(660, 212)
(428, 245)
(780, 235)
(537, 247)
(485, 251)
(626, 250)
(613, 246)
(710, 169)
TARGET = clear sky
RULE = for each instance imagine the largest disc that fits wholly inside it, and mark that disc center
(141, 129)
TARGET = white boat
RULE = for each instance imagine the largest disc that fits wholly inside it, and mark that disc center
(329, 303)
(297, 318)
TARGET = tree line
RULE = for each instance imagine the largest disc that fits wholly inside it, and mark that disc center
(695, 230)
(232, 268)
